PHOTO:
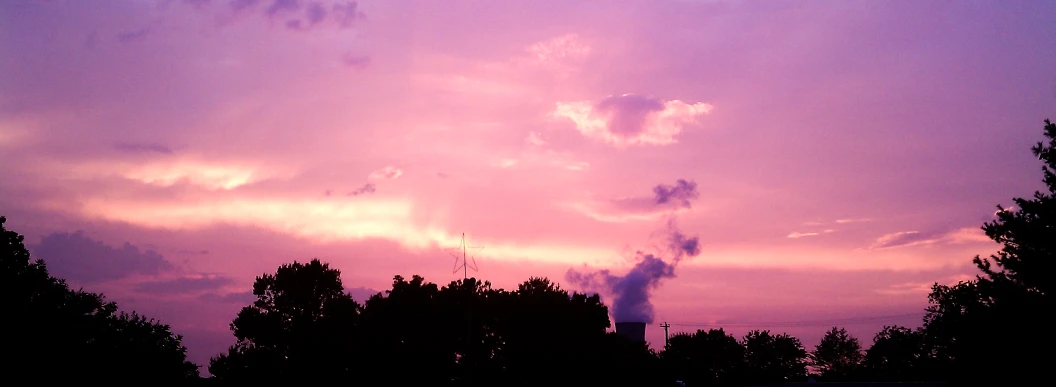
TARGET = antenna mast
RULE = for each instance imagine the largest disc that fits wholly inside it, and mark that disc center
(461, 254)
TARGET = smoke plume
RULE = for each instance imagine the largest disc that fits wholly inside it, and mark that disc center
(630, 292)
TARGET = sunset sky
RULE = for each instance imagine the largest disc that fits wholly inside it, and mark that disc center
(844, 153)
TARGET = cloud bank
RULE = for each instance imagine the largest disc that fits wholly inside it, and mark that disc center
(78, 257)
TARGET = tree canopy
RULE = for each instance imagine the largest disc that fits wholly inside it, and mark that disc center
(994, 322)
(838, 356)
(58, 334)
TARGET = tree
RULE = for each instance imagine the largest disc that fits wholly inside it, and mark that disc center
(994, 322)
(773, 358)
(897, 354)
(705, 358)
(55, 334)
(1027, 259)
(838, 355)
(302, 327)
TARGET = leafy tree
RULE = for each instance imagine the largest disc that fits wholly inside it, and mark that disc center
(838, 355)
(56, 334)
(773, 358)
(993, 322)
(301, 327)
(705, 358)
(897, 354)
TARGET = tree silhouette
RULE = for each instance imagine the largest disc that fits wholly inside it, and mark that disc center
(773, 358)
(407, 329)
(55, 334)
(711, 358)
(301, 327)
(838, 355)
(897, 354)
(990, 323)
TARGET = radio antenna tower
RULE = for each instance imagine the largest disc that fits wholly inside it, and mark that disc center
(463, 260)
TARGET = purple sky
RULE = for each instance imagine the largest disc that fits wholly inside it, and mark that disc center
(844, 153)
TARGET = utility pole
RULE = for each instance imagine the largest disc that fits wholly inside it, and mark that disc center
(666, 337)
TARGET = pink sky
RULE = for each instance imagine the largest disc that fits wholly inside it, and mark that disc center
(845, 152)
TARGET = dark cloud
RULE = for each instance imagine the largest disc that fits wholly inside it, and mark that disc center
(282, 6)
(344, 13)
(630, 292)
(682, 192)
(627, 113)
(358, 62)
(347, 13)
(316, 13)
(239, 5)
(365, 189)
(243, 298)
(199, 4)
(78, 257)
(142, 147)
(131, 36)
(184, 285)
(192, 252)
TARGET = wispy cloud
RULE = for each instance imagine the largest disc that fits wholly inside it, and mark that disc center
(388, 173)
(666, 199)
(917, 238)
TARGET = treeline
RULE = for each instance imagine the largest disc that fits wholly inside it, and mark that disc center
(304, 328)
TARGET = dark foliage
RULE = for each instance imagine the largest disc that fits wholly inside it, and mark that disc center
(838, 356)
(773, 358)
(705, 358)
(986, 330)
(302, 327)
(56, 334)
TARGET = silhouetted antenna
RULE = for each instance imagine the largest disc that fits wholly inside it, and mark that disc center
(461, 254)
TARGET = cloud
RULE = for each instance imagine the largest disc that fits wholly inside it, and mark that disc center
(389, 172)
(917, 238)
(192, 252)
(347, 13)
(796, 235)
(666, 199)
(184, 285)
(343, 14)
(859, 220)
(142, 147)
(535, 138)
(365, 189)
(358, 62)
(561, 49)
(210, 175)
(78, 257)
(242, 298)
(629, 119)
(132, 36)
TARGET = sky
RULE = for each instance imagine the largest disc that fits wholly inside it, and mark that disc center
(833, 159)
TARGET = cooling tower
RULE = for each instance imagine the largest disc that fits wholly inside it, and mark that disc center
(631, 330)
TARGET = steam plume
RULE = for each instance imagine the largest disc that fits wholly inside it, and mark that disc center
(630, 292)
